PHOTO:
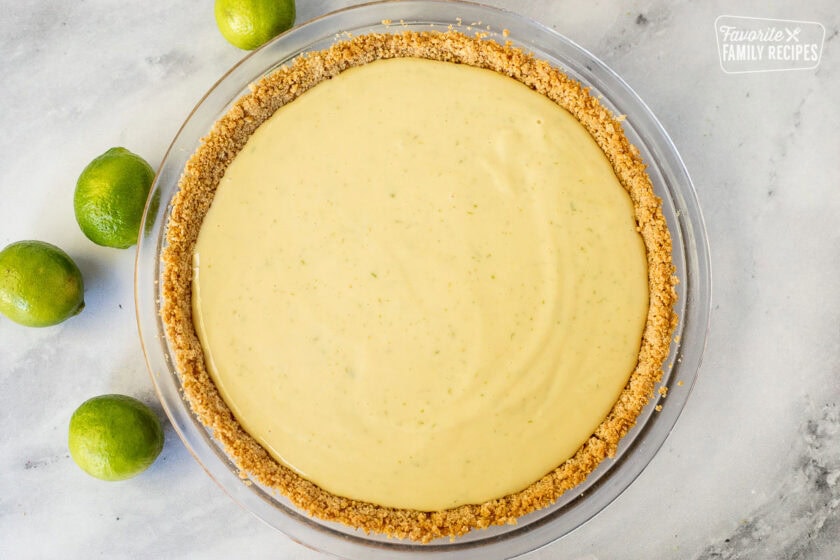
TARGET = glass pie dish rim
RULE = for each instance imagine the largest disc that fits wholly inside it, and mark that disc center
(672, 184)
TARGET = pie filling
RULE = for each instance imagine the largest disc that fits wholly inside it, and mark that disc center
(420, 285)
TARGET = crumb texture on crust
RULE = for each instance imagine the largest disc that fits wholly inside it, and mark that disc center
(197, 186)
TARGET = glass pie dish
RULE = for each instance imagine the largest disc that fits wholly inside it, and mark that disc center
(671, 183)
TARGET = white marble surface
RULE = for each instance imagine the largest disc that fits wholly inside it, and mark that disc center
(752, 468)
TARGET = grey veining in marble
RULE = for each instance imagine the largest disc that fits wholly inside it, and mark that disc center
(752, 469)
(800, 520)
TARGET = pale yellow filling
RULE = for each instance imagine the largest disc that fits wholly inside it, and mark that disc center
(420, 285)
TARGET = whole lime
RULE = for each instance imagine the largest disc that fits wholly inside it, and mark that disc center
(248, 24)
(40, 285)
(114, 437)
(110, 196)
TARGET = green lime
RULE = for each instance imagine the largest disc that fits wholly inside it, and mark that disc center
(110, 196)
(248, 24)
(114, 437)
(40, 285)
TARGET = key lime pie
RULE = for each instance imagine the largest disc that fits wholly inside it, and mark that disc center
(418, 283)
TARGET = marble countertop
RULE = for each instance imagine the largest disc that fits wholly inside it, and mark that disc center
(751, 469)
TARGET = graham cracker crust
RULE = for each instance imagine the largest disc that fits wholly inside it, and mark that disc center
(197, 186)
